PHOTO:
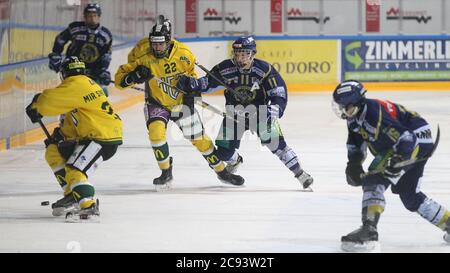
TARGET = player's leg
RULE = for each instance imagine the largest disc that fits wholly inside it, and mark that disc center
(272, 137)
(56, 154)
(157, 118)
(415, 200)
(85, 159)
(192, 128)
(228, 141)
(365, 238)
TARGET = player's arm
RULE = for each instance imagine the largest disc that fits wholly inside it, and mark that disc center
(105, 54)
(61, 40)
(55, 57)
(205, 84)
(132, 73)
(105, 59)
(356, 154)
(276, 91)
(140, 49)
(54, 101)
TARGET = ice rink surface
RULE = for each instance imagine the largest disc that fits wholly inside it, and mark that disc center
(200, 214)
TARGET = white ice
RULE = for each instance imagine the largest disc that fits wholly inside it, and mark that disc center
(200, 214)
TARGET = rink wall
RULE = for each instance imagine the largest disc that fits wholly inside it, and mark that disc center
(306, 63)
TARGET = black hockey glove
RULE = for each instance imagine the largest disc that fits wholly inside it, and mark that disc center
(191, 84)
(33, 114)
(353, 174)
(104, 78)
(390, 170)
(141, 74)
(54, 61)
(55, 138)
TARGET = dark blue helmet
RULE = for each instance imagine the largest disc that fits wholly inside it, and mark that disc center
(246, 42)
(348, 98)
(92, 7)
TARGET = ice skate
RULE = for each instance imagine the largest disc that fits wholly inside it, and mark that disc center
(63, 205)
(229, 178)
(447, 231)
(305, 179)
(233, 166)
(364, 239)
(89, 214)
(164, 182)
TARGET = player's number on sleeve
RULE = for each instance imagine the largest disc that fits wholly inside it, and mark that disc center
(107, 107)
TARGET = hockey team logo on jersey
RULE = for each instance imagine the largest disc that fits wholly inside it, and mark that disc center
(244, 94)
(89, 53)
(185, 59)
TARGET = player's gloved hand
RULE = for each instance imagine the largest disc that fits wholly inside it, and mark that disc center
(32, 113)
(390, 170)
(273, 113)
(353, 173)
(54, 61)
(191, 84)
(104, 77)
(55, 138)
(141, 74)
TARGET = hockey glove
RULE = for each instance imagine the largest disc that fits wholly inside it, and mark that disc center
(353, 174)
(55, 61)
(390, 170)
(191, 84)
(32, 113)
(141, 74)
(104, 78)
(55, 138)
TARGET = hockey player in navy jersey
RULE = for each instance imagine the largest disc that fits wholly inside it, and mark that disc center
(90, 42)
(256, 97)
(393, 134)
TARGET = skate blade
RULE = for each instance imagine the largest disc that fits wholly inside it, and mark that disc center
(367, 247)
(447, 238)
(231, 184)
(72, 217)
(309, 189)
(61, 211)
(164, 187)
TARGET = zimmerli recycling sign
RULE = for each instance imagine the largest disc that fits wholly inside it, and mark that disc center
(396, 60)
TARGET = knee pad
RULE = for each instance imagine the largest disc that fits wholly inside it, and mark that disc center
(191, 126)
(157, 131)
(373, 196)
(86, 157)
(433, 212)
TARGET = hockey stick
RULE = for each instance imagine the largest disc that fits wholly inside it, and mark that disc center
(44, 129)
(209, 73)
(409, 161)
(199, 102)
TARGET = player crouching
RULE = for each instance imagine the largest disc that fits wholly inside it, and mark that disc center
(89, 134)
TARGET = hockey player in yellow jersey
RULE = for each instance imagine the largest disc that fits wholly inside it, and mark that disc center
(89, 134)
(159, 57)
